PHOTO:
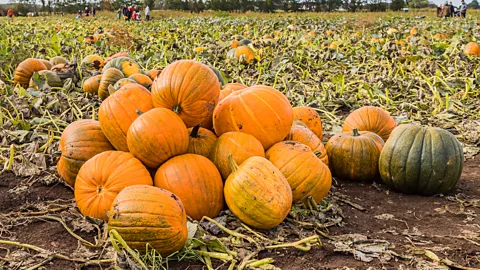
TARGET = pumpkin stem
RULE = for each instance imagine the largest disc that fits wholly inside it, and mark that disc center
(355, 132)
(317, 153)
(232, 163)
(177, 109)
(139, 112)
(194, 133)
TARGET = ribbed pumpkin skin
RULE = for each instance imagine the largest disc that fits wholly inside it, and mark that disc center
(419, 160)
(196, 181)
(110, 77)
(240, 145)
(245, 54)
(305, 136)
(258, 194)
(47, 64)
(80, 141)
(230, 88)
(144, 214)
(102, 177)
(119, 110)
(355, 156)
(200, 141)
(92, 84)
(306, 174)
(311, 118)
(370, 118)
(156, 136)
(260, 111)
(189, 88)
(125, 64)
(25, 70)
(144, 80)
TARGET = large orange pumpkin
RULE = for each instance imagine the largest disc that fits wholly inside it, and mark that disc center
(257, 193)
(80, 141)
(311, 118)
(196, 181)
(92, 84)
(119, 110)
(306, 174)
(156, 136)
(25, 70)
(354, 156)
(230, 88)
(144, 214)
(303, 135)
(472, 48)
(370, 118)
(259, 110)
(201, 141)
(189, 88)
(240, 145)
(102, 177)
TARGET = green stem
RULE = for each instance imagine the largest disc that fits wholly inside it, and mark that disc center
(231, 162)
(318, 153)
(355, 132)
(139, 112)
(194, 133)
(177, 109)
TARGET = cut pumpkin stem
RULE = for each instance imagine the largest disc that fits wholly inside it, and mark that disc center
(231, 162)
(194, 133)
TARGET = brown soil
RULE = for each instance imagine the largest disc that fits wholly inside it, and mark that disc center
(417, 222)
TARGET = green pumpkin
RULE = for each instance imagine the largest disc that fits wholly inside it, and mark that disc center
(421, 160)
(219, 76)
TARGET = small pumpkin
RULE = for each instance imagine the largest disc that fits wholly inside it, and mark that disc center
(47, 64)
(306, 174)
(259, 110)
(142, 79)
(109, 77)
(189, 88)
(304, 135)
(153, 73)
(421, 160)
(156, 136)
(245, 54)
(472, 48)
(238, 144)
(196, 181)
(92, 62)
(102, 177)
(257, 193)
(201, 141)
(119, 110)
(25, 70)
(370, 118)
(80, 141)
(144, 214)
(354, 156)
(92, 84)
(311, 118)
(122, 82)
(58, 60)
(125, 64)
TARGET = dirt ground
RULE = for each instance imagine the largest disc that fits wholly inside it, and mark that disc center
(449, 226)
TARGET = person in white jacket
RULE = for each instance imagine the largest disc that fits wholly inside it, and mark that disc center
(147, 13)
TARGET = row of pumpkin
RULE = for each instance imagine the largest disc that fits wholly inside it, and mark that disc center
(154, 156)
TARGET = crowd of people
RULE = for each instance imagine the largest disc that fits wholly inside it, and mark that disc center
(133, 13)
(87, 12)
(449, 10)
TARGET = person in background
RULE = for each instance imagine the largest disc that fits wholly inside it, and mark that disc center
(87, 12)
(119, 13)
(10, 13)
(79, 14)
(130, 12)
(439, 10)
(446, 12)
(125, 12)
(93, 11)
(452, 9)
(147, 13)
(463, 9)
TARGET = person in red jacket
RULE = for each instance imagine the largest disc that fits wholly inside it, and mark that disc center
(10, 13)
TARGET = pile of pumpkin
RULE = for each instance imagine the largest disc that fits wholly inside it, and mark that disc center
(189, 147)
(55, 72)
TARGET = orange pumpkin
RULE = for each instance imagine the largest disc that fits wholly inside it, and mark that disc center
(143, 214)
(354, 156)
(259, 110)
(119, 110)
(230, 88)
(196, 181)
(92, 62)
(245, 54)
(25, 70)
(305, 136)
(156, 136)
(102, 177)
(47, 64)
(201, 141)
(153, 73)
(189, 88)
(92, 84)
(116, 55)
(311, 118)
(306, 174)
(240, 145)
(80, 141)
(370, 118)
(257, 193)
(472, 48)
(142, 79)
